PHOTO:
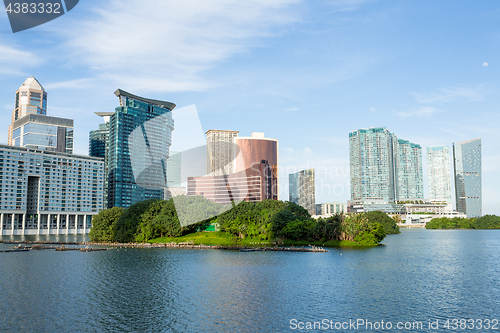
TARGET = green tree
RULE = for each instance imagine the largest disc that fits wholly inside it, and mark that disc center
(102, 225)
(383, 219)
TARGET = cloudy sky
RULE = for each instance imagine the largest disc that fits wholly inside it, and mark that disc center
(304, 72)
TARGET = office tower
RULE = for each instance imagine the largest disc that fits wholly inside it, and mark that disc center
(257, 152)
(174, 171)
(467, 167)
(31, 98)
(372, 166)
(408, 170)
(302, 189)
(140, 134)
(438, 168)
(43, 133)
(46, 192)
(220, 152)
(99, 147)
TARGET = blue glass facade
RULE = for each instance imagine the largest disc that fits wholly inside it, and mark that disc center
(468, 189)
(139, 140)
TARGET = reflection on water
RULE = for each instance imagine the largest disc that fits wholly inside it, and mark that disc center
(416, 276)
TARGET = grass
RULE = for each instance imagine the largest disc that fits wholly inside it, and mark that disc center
(224, 239)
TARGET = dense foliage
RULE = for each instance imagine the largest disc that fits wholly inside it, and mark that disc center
(265, 220)
(385, 220)
(484, 222)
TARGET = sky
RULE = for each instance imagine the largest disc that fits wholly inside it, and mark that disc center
(304, 72)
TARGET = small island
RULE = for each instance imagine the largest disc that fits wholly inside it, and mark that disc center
(483, 222)
(269, 223)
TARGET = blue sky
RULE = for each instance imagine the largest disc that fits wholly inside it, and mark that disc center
(304, 72)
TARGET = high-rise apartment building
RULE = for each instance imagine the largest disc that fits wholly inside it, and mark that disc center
(45, 192)
(372, 166)
(409, 179)
(43, 133)
(31, 98)
(439, 174)
(383, 169)
(140, 135)
(302, 191)
(220, 152)
(467, 170)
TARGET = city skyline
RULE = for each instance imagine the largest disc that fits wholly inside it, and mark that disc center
(355, 65)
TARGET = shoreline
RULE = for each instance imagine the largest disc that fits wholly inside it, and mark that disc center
(174, 245)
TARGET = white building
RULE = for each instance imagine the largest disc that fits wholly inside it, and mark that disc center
(220, 152)
(43, 192)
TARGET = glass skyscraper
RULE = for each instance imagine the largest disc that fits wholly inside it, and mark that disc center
(438, 168)
(302, 190)
(467, 167)
(99, 146)
(140, 135)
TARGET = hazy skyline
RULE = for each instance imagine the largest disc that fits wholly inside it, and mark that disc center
(304, 72)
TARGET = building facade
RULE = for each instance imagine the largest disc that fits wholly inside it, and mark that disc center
(43, 133)
(383, 170)
(140, 135)
(31, 98)
(330, 208)
(45, 192)
(220, 152)
(439, 174)
(255, 151)
(99, 147)
(468, 174)
(409, 180)
(302, 190)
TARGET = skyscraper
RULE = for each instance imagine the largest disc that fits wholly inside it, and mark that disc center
(467, 170)
(438, 168)
(302, 191)
(31, 98)
(140, 135)
(384, 169)
(408, 170)
(372, 165)
(99, 147)
(220, 152)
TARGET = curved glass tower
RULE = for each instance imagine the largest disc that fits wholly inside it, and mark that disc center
(140, 135)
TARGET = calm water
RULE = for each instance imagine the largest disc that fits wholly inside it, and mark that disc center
(419, 275)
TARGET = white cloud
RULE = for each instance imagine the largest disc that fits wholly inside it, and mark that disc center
(452, 94)
(73, 84)
(292, 109)
(422, 112)
(372, 109)
(13, 59)
(164, 46)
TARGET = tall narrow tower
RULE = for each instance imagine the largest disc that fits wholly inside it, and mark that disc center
(31, 98)
(220, 152)
(438, 168)
(468, 186)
